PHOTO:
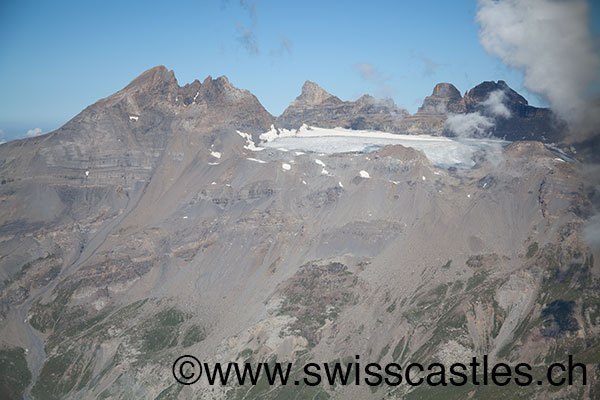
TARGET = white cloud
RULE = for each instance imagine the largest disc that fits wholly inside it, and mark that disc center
(370, 73)
(33, 132)
(469, 125)
(550, 41)
(494, 104)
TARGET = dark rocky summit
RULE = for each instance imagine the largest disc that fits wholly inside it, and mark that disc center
(524, 123)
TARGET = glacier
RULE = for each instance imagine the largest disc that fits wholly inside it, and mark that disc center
(443, 152)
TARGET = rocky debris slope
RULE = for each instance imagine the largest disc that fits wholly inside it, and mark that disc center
(186, 237)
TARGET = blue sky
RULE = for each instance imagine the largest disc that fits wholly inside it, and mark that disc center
(58, 57)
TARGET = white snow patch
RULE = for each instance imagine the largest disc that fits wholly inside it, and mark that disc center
(299, 153)
(423, 177)
(364, 174)
(269, 135)
(215, 154)
(321, 163)
(185, 217)
(340, 183)
(133, 117)
(469, 196)
(303, 182)
(87, 173)
(256, 160)
(324, 172)
(286, 167)
(196, 96)
(250, 143)
(282, 149)
(559, 159)
(275, 133)
(213, 163)
(213, 183)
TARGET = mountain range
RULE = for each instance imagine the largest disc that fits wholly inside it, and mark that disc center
(156, 224)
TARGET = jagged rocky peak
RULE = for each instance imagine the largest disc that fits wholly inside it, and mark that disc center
(220, 89)
(221, 81)
(482, 92)
(317, 107)
(444, 98)
(161, 82)
(156, 77)
(312, 94)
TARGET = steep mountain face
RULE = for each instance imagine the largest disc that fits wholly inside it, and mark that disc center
(64, 193)
(316, 107)
(152, 225)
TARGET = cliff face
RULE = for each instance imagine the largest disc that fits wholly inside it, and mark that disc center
(150, 226)
(444, 99)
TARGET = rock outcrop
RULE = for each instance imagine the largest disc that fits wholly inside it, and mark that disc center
(445, 99)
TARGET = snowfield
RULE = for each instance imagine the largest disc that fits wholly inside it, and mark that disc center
(441, 151)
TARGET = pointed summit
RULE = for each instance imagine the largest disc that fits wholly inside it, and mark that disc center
(312, 94)
(317, 107)
(158, 76)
